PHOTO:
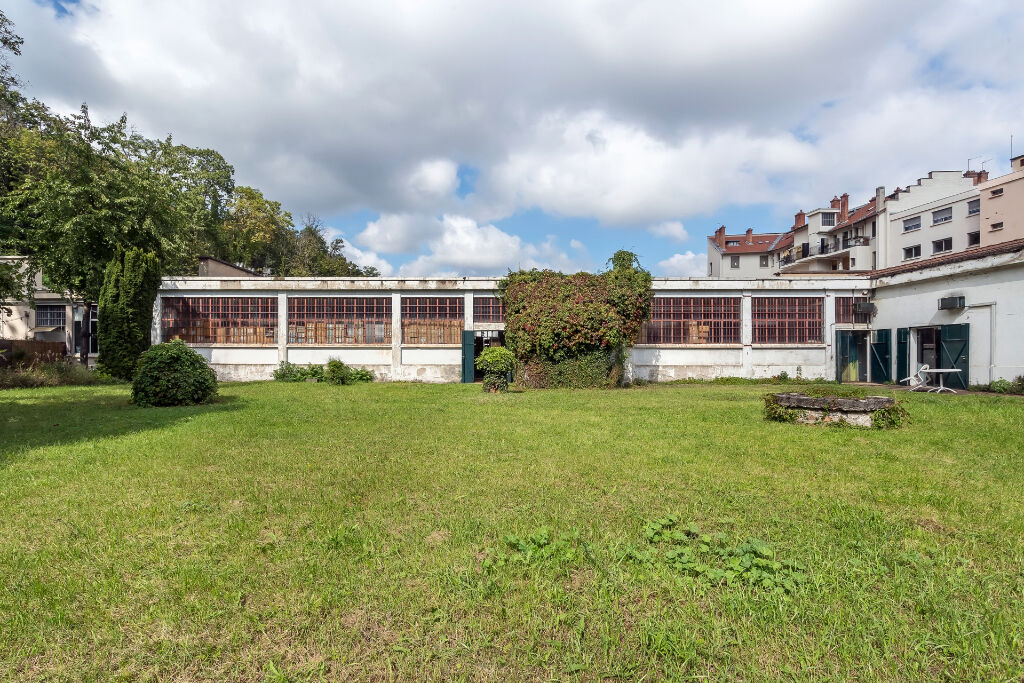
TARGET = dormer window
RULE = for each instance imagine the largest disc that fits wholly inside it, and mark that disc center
(828, 219)
(732, 243)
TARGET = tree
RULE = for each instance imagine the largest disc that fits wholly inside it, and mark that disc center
(12, 277)
(86, 193)
(312, 256)
(257, 232)
(130, 286)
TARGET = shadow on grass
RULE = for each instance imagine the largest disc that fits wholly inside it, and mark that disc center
(29, 420)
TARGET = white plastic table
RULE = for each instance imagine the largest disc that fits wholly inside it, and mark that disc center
(941, 372)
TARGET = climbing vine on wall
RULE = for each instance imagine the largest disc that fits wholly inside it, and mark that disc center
(554, 317)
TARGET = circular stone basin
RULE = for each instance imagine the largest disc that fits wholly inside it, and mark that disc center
(828, 409)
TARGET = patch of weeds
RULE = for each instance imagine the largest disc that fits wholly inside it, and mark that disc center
(776, 412)
(542, 546)
(712, 560)
(893, 417)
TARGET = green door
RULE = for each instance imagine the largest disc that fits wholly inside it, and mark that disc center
(902, 353)
(881, 356)
(848, 356)
(468, 355)
(954, 352)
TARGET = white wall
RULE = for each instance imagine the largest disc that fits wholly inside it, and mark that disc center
(903, 302)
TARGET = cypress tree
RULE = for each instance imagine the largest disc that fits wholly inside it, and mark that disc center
(130, 285)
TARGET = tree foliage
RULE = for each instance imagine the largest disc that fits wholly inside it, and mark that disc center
(130, 287)
(172, 374)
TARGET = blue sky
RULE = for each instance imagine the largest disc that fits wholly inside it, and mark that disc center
(476, 136)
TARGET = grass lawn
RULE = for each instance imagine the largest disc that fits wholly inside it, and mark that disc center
(308, 532)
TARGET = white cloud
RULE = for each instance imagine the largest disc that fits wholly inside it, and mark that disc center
(467, 248)
(688, 264)
(368, 258)
(432, 180)
(628, 111)
(398, 233)
(671, 229)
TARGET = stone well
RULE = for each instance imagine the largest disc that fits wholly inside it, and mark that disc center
(829, 409)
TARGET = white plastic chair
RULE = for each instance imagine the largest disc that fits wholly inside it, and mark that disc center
(918, 379)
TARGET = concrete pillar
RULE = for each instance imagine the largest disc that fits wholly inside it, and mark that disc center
(282, 327)
(468, 310)
(747, 334)
(396, 335)
(829, 318)
(155, 330)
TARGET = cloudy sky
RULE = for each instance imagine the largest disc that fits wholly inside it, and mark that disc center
(470, 137)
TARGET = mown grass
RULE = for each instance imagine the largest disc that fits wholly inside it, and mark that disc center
(314, 532)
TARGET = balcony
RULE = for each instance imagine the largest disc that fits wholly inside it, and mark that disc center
(859, 241)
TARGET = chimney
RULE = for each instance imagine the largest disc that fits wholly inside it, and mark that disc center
(834, 204)
(750, 235)
(720, 237)
(800, 219)
(844, 207)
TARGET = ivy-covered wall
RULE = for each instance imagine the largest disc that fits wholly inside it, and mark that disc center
(572, 330)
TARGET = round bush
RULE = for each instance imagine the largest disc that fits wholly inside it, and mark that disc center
(172, 374)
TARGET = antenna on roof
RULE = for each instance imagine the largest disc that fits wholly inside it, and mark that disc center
(969, 160)
(985, 162)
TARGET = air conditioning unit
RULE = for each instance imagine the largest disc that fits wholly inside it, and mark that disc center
(864, 308)
(950, 303)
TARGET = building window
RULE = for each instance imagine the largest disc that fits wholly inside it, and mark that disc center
(911, 223)
(996, 192)
(845, 312)
(248, 320)
(692, 320)
(942, 215)
(874, 230)
(94, 337)
(828, 219)
(339, 320)
(764, 261)
(940, 246)
(50, 315)
(874, 260)
(488, 309)
(997, 226)
(974, 238)
(911, 252)
(732, 243)
(734, 261)
(973, 207)
(432, 320)
(787, 320)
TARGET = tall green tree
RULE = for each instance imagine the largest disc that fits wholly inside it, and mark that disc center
(130, 285)
(87, 193)
(12, 278)
(257, 231)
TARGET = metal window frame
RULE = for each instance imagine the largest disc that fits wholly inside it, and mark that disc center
(788, 320)
(229, 320)
(693, 320)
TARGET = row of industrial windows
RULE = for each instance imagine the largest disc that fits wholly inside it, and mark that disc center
(941, 246)
(440, 320)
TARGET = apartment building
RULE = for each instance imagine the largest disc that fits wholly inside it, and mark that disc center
(1002, 206)
(742, 257)
(939, 214)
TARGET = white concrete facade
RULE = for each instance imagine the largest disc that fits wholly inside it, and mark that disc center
(443, 363)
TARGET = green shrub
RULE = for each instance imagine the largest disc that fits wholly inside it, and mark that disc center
(776, 412)
(172, 374)
(337, 372)
(1001, 386)
(52, 374)
(290, 372)
(496, 362)
(598, 369)
(893, 417)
